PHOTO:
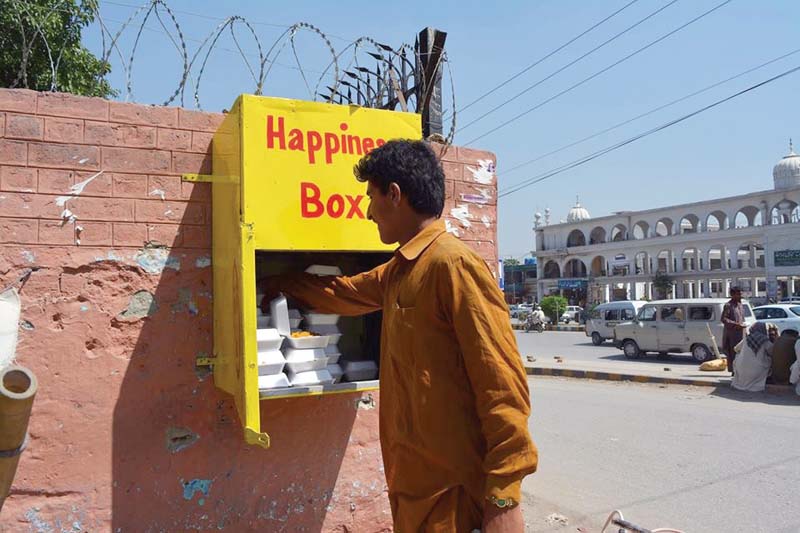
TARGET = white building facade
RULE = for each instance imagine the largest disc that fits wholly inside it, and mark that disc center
(703, 248)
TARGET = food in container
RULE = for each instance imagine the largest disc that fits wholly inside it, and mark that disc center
(336, 372)
(268, 339)
(360, 370)
(304, 340)
(312, 377)
(274, 381)
(270, 362)
(305, 360)
(279, 311)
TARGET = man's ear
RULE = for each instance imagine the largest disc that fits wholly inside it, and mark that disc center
(395, 194)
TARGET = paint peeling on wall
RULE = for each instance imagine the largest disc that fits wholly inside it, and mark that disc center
(178, 438)
(461, 213)
(185, 301)
(155, 260)
(203, 262)
(484, 173)
(194, 486)
(486, 221)
(142, 304)
(451, 228)
(159, 192)
(28, 256)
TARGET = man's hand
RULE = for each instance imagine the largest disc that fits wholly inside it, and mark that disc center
(497, 520)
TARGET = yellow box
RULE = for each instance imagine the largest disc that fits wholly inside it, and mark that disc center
(282, 181)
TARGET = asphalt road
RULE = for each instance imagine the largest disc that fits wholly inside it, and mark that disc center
(696, 459)
(576, 346)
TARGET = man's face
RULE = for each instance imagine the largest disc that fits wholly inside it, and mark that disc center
(383, 210)
(736, 296)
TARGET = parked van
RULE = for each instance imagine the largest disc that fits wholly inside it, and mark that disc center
(604, 317)
(676, 326)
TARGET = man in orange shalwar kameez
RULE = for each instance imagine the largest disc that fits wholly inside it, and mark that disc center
(454, 397)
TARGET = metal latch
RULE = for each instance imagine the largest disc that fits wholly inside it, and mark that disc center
(209, 178)
(205, 361)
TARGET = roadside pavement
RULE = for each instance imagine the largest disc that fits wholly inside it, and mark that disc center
(572, 355)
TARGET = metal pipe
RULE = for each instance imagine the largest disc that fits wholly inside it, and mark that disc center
(18, 388)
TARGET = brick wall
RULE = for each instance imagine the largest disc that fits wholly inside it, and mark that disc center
(127, 434)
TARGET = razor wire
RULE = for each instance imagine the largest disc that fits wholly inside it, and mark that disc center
(364, 72)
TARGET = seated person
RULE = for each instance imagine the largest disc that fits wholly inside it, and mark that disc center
(783, 356)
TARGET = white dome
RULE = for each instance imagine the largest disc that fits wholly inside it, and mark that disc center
(786, 173)
(577, 214)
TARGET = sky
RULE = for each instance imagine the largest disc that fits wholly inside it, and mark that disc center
(728, 150)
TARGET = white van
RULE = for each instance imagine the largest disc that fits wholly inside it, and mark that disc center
(604, 317)
(676, 326)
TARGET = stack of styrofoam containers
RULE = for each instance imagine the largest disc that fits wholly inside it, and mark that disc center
(305, 356)
(360, 370)
(270, 359)
(327, 325)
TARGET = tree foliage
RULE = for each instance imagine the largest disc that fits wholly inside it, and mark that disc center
(40, 47)
(554, 307)
(510, 262)
(663, 284)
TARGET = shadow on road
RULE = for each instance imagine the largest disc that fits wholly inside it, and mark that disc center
(767, 397)
(683, 361)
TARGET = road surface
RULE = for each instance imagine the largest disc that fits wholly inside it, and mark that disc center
(703, 460)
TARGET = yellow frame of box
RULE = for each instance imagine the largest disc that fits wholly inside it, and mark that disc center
(282, 181)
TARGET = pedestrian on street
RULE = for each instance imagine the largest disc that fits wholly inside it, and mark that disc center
(783, 356)
(754, 360)
(454, 396)
(733, 325)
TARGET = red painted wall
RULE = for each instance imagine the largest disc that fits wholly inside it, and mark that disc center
(127, 434)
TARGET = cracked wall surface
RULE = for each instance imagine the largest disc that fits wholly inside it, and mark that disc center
(127, 434)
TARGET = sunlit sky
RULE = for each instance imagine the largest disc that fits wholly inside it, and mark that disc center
(726, 151)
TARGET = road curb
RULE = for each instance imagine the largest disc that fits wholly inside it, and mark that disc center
(637, 378)
(615, 376)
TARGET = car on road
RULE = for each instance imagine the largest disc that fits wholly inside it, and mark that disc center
(676, 326)
(790, 300)
(784, 316)
(605, 317)
(572, 314)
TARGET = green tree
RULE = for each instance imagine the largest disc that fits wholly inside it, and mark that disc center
(554, 307)
(663, 284)
(510, 262)
(40, 47)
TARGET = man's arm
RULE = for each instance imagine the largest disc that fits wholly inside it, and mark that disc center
(475, 306)
(340, 295)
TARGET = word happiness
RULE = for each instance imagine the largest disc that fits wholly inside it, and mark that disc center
(312, 142)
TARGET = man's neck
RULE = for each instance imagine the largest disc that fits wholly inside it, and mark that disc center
(415, 228)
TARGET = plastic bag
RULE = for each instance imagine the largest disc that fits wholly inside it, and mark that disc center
(9, 326)
(715, 365)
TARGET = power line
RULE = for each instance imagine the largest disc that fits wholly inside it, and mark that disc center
(647, 113)
(582, 161)
(565, 67)
(547, 56)
(606, 69)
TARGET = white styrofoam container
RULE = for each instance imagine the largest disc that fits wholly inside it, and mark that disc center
(279, 311)
(294, 323)
(320, 319)
(333, 358)
(270, 362)
(274, 381)
(311, 377)
(331, 349)
(305, 343)
(336, 372)
(360, 370)
(324, 270)
(268, 339)
(331, 331)
(305, 360)
(263, 322)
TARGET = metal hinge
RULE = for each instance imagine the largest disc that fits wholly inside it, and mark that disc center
(209, 178)
(205, 361)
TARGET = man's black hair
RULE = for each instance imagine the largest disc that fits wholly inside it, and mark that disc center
(413, 166)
